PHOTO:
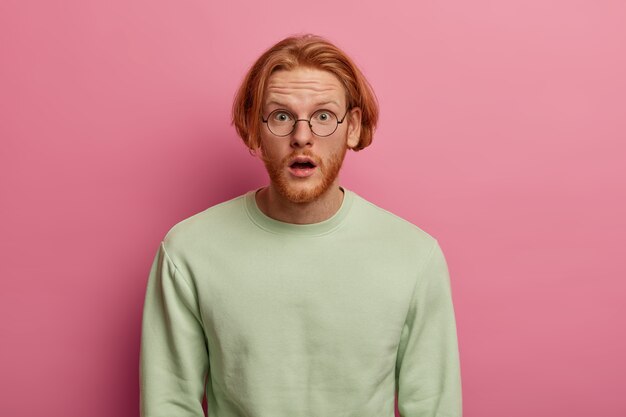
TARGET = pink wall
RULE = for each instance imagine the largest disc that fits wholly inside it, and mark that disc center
(502, 133)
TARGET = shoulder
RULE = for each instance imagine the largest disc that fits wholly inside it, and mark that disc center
(208, 225)
(384, 224)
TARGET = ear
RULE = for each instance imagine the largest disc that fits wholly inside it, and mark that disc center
(354, 127)
(254, 148)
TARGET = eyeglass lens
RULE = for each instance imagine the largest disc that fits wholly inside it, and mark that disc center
(282, 123)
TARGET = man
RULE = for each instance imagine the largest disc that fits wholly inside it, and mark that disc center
(300, 298)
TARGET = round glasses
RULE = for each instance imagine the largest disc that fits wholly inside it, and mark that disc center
(322, 122)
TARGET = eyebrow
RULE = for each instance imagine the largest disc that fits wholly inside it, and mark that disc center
(318, 104)
(323, 103)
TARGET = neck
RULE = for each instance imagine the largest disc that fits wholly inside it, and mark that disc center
(276, 206)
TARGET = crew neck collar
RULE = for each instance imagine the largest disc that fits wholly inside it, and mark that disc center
(311, 229)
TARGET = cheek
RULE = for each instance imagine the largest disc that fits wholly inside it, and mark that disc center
(337, 148)
(268, 146)
(273, 152)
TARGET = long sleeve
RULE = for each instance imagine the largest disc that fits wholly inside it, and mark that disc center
(174, 356)
(428, 377)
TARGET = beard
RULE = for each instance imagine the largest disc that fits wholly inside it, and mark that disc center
(295, 193)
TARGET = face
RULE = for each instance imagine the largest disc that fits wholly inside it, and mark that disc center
(303, 166)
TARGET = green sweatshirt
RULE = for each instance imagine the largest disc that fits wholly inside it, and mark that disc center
(272, 319)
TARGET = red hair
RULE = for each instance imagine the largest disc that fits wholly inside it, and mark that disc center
(306, 51)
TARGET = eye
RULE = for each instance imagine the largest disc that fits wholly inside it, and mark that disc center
(324, 116)
(281, 116)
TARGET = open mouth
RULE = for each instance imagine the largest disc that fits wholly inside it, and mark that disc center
(302, 162)
(302, 166)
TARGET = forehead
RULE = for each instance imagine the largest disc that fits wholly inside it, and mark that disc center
(304, 86)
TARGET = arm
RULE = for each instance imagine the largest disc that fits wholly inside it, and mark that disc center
(174, 356)
(428, 377)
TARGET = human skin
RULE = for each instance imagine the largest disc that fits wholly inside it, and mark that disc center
(316, 197)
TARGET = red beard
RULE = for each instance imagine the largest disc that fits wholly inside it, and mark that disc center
(289, 189)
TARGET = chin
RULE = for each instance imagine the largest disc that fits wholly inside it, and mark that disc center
(301, 194)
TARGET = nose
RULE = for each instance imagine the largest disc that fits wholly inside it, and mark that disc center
(302, 135)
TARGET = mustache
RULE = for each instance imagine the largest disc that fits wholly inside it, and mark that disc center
(307, 153)
(285, 161)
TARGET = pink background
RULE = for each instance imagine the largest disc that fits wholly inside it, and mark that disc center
(502, 133)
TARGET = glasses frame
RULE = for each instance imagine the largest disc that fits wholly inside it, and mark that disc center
(293, 127)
